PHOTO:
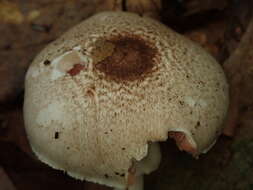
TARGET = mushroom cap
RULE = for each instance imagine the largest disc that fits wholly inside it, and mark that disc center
(97, 96)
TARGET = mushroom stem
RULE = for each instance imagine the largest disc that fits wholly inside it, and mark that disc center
(144, 166)
(138, 185)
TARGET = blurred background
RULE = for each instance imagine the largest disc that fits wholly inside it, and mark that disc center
(223, 27)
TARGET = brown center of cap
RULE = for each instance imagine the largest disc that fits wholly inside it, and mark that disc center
(131, 59)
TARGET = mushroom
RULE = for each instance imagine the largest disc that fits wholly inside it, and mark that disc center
(100, 98)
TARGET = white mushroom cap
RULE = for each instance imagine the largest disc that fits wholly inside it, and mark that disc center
(100, 94)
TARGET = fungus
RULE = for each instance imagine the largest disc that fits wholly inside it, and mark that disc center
(115, 86)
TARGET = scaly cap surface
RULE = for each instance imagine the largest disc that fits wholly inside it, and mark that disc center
(99, 94)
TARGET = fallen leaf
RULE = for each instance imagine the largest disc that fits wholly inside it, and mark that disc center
(109, 5)
(150, 8)
(236, 67)
(32, 15)
(5, 182)
(10, 13)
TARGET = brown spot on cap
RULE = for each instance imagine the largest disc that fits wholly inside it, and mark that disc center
(47, 62)
(56, 135)
(90, 92)
(76, 69)
(131, 59)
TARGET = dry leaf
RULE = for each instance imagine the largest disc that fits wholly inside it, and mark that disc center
(109, 5)
(237, 68)
(194, 6)
(32, 15)
(10, 12)
(5, 182)
(151, 8)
